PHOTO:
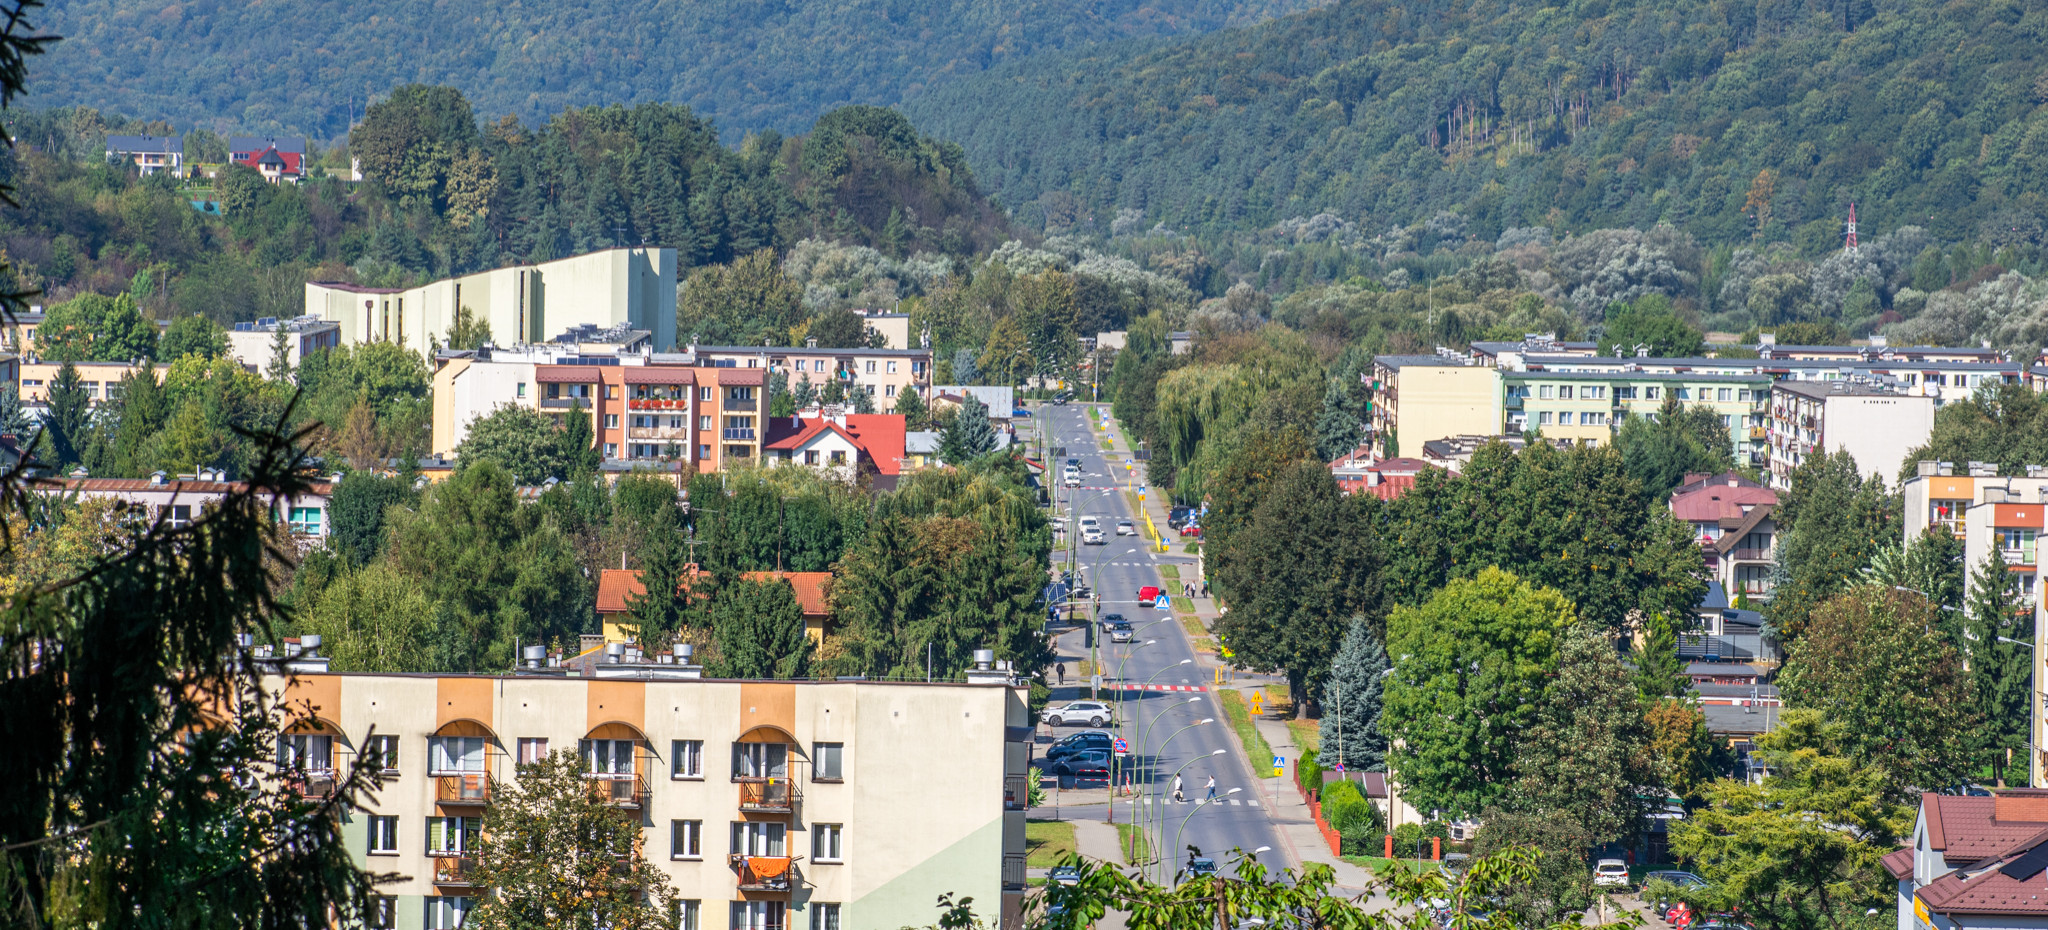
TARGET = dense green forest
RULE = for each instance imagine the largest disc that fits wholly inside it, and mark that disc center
(1732, 121)
(446, 193)
(754, 64)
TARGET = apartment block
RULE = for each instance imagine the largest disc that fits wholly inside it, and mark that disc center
(883, 374)
(253, 344)
(1587, 406)
(178, 500)
(633, 287)
(1946, 380)
(1423, 398)
(770, 805)
(662, 410)
(102, 380)
(1876, 423)
(1942, 494)
(1731, 516)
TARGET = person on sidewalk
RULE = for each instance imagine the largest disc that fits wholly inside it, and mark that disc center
(1178, 798)
(1212, 789)
(1062, 670)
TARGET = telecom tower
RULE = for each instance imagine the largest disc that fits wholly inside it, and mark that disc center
(1851, 246)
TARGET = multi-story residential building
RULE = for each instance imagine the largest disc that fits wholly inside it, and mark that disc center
(1941, 494)
(102, 380)
(149, 154)
(765, 802)
(1419, 399)
(253, 344)
(1509, 355)
(1877, 350)
(893, 327)
(1973, 862)
(1731, 516)
(1875, 423)
(661, 409)
(181, 499)
(882, 373)
(1945, 380)
(631, 286)
(1587, 406)
(2010, 531)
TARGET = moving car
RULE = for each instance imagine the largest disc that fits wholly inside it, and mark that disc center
(1092, 536)
(1126, 528)
(1110, 620)
(1200, 866)
(1020, 412)
(1064, 875)
(1149, 593)
(1072, 480)
(1098, 740)
(1061, 399)
(1091, 521)
(1121, 633)
(1610, 873)
(1088, 764)
(1096, 713)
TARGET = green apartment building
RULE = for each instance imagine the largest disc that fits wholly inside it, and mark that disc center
(1589, 406)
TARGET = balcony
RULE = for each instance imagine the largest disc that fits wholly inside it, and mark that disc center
(459, 789)
(779, 796)
(2020, 556)
(765, 873)
(740, 406)
(1016, 792)
(619, 790)
(1758, 432)
(1751, 555)
(672, 434)
(740, 433)
(1514, 402)
(317, 785)
(456, 871)
(1013, 873)
(658, 403)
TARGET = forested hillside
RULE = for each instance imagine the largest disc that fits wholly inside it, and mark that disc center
(1730, 120)
(312, 66)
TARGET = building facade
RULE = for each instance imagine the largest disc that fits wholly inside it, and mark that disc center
(1587, 406)
(180, 500)
(253, 344)
(883, 374)
(771, 805)
(101, 380)
(1732, 518)
(633, 287)
(149, 154)
(1423, 398)
(1876, 424)
(1974, 863)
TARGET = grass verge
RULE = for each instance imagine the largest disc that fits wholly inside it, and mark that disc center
(1257, 752)
(1185, 604)
(1378, 864)
(1124, 837)
(1046, 842)
(1169, 572)
(1193, 625)
(1307, 734)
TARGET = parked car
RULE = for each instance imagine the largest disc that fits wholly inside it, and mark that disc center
(1082, 591)
(1126, 528)
(1064, 875)
(1098, 740)
(1610, 873)
(1088, 764)
(1454, 865)
(1020, 413)
(1096, 713)
(1178, 516)
(1191, 529)
(1121, 633)
(1200, 866)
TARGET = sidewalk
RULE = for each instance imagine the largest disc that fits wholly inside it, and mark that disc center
(1290, 814)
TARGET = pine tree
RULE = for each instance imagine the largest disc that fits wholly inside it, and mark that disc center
(1351, 731)
(579, 444)
(280, 368)
(969, 435)
(1339, 428)
(658, 613)
(2001, 672)
(910, 406)
(966, 367)
(806, 393)
(862, 401)
(1659, 673)
(70, 419)
(14, 418)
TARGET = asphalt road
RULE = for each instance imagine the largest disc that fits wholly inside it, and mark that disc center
(1155, 722)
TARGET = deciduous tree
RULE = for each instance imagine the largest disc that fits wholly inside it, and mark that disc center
(555, 855)
(1587, 753)
(1829, 525)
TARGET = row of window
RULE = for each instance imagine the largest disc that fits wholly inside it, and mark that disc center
(803, 364)
(558, 391)
(448, 913)
(1649, 392)
(1585, 418)
(453, 836)
(457, 755)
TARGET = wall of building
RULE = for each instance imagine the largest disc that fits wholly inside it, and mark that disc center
(1441, 401)
(35, 377)
(1878, 431)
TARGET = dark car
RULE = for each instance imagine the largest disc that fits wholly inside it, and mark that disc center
(1085, 765)
(1060, 399)
(1097, 740)
(1020, 413)
(1178, 516)
(1110, 620)
(1064, 875)
(1073, 463)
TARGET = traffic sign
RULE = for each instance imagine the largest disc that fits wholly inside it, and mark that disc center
(1258, 700)
(1120, 747)
(1279, 766)
(1162, 602)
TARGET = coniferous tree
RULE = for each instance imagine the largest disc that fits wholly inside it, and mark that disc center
(1351, 728)
(1828, 526)
(759, 628)
(70, 422)
(659, 612)
(1659, 673)
(1588, 750)
(968, 435)
(806, 393)
(280, 367)
(14, 418)
(1339, 428)
(580, 454)
(1999, 644)
(910, 406)
(862, 401)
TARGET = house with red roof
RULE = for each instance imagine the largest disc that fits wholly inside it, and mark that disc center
(1975, 863)
(847, 445)
(618, 588)
(1361, 472)
(1731, 516)
(279, 158)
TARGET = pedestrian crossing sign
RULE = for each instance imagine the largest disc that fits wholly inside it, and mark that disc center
(1279, 766)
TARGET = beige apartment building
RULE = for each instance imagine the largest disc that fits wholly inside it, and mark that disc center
(1423, 398)
(634, 287)
(771, 805)
(884, 374)
(102, 380)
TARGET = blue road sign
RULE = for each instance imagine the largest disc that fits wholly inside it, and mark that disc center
(1120, 746)
(1162, 602)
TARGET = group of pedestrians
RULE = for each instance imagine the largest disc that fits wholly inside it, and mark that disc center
(1180, 798)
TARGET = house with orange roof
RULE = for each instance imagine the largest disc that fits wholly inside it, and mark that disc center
(846, 445)
(618, 588)
(1975, 863)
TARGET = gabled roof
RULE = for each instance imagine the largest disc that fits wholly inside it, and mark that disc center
(1723, 497)
(152, 145)
(879, 437)
(618, 587)
(295, 145)
(1967, 829)
(2006, 882)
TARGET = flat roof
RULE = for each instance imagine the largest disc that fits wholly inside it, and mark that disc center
(1819, 390)
(1688, 376)
(1421, 361)
(804, 350)
(652, 668)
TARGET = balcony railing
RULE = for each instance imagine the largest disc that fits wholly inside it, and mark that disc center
(462, 788)
(765, 873)
(2021, 556)
(454, 870)
(739, 433)
(1013, 873)
(740, 406)
(316, 785)
(775, 795)
(1750, 555)
(619, 790)
(1757, 432)
(1016, 792)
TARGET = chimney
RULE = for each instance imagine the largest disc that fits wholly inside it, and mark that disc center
(1945, 469)
(1926, 467)
(1734, 480)
(984, 659)
(686, 662)
(535, 656)
(309, 645)
(614, 652)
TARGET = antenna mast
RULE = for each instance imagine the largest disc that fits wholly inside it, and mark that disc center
(1850, 246)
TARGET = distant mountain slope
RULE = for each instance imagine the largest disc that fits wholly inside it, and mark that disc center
(1574, 114)
(307, 65)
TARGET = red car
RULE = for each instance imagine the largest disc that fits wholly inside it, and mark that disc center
(1148, 594)
(1191, 529)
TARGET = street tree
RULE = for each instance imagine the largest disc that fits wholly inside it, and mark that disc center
(1829, 524)
(556, 855)
(1999, 638)
(1659, 672)
(1684, 756)
(1470, 668)
(1559, 885)
(1352, 725)
(1588, 751)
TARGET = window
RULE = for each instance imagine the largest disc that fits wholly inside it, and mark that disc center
(1652, 393)
(801, 364)
(1546, 392)
(704, 450)
(704, 422)
(446, 913)
(871, 390)
(890, 390)
(1543, 418)
(451, 836)
(689, 915)
(1593, 392)
(642, 422)
(686, 839)
(838, 456)
(810, 456)
(383, 913)
(1589, 418)
(1564, 392)
(383, 751)
(532, 749)
(312, 752)
(611, 392)
(383, 835)
(611, 421)
(1742, 394)
(758, 839)
(824, 916)
(452, 755)
(757, 915)
(825, 842)
(827, 761)
(678, 422)
(686, 758)
(1723, 393)
(704, 393)
(892, 368)
(521, 391)
(611, 450)
(871, 367)
(760, 760)
(608, 756)
(306, 521)
(1684, 393)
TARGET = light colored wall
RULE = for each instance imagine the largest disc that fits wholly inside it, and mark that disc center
(1438, 402)
(34, 378)
(465, 390)
(894, 327)
(1878, 431)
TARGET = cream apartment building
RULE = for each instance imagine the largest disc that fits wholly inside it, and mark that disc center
(1875, 423)
(1423, 398)
(883, 374)
(771, 805)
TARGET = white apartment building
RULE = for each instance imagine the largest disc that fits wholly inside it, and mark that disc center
(253, 344)
(770, 805)
(1876, 424)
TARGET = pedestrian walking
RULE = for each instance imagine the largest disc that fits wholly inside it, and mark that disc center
(1212, 789)
(1062, 670)
(1177, 796)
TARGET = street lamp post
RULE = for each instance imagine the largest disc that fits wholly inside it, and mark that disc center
(1161, 819)
(1136, 818)
(1182, 829)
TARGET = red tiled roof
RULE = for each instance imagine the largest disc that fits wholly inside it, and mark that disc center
(617, 587)
(661, 374)
(1968, 829)
(742, 376)
(882, 435)
(1899, 862)
(566, 374)
(1714, 502)
(1985, 886)
(795, 432)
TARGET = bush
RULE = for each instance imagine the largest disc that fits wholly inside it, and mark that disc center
(1406, 837)
(1308, 773)
(1351, 814)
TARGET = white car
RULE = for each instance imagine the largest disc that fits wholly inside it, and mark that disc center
(1090, 523)
(1126, 528)
(1092, 536)
(1610, 873)
(1073, 479)
(1095, 713)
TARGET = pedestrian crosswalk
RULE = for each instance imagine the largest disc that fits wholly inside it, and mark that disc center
(1153, 687)
(1219, 802)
